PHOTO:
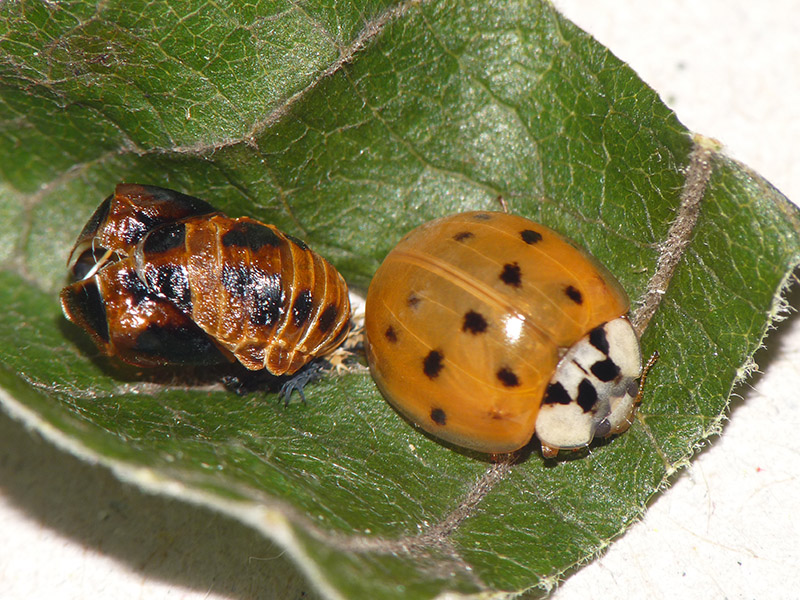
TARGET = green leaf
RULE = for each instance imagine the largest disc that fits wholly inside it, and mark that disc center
(348, 126)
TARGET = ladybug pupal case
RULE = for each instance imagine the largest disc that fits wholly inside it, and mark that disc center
(162, 278)
(485, 327)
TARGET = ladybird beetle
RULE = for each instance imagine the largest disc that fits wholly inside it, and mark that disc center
(485, 327)
(162, 278)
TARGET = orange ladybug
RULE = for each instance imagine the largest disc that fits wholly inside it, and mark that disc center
(485, 327)
(162, 278)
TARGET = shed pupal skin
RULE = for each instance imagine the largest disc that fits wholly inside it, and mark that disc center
(594, 389)
(159, 278)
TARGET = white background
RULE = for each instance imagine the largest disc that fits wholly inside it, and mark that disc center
(728, 528)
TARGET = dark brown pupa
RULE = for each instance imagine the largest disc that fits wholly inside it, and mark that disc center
(162, 278)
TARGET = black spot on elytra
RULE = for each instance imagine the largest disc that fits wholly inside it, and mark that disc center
(574, 294)
(556, 394)
(529, 236)
(413, 300)
(246, 234)
(390, 334)
(599, 339)
(171, 282)
(432, 364)
(438, 416)
(482, 217)
(507, 377)
(511, 274)
(327, 318)
(302, 308)
(463, 235)
(605, 370)
(166, 237)
(474, 322)
(587, 395)
(496, 415)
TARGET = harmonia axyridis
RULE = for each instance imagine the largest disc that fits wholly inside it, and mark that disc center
(161, 278)
(485, 327)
